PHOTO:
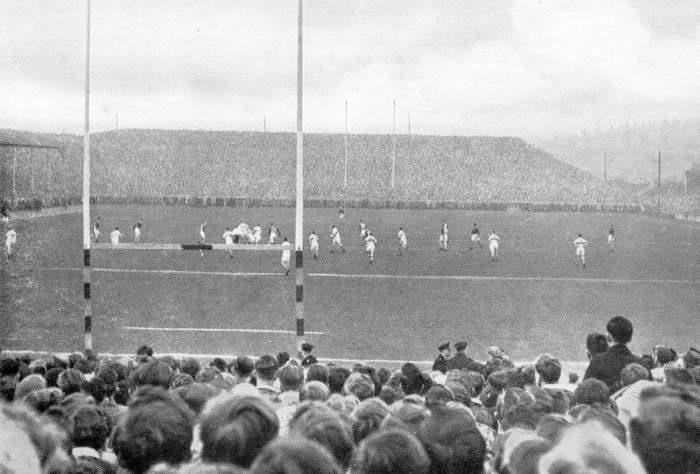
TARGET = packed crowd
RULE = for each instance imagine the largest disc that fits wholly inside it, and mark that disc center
(262, 165)
(276, 414)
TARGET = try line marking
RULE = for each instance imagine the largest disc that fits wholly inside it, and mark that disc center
(266, 331)
(378, 276)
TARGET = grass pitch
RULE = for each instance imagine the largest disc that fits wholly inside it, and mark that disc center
(533, 300)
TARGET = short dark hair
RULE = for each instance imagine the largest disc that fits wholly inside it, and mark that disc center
(156, 428)
(70, 381)
(96, 388)
(317, 372)
(153, 372)
(145, 350)
(243, 366)
(549, 369)
(592, 391)
(368, 417)
(237, 429)
(596, 343)
(9, 367)
(219, 363)
(392, 450)
(90, 427)
(266, 367)
(453, 441)
(413, 380)
(620, 329)
(336, 379)
(322, 424)
(291, 377)
(190, 366)
(295, 455)
(195, 395)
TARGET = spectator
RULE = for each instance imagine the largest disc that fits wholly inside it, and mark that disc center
(91, 428)
(391, 451)
(368, 417)
(323, 425)
(236, 429)
(461, 361)
(153, 372)
(265, 371)
(295, 455)
(29, 384)
(596, 343)
(314, 391)
(608, 365)
(632, 373)
(243, 367)
(359, 385)
(70, 381)
(191, 367)
(317, 372)
(592, 392)
(336, 379)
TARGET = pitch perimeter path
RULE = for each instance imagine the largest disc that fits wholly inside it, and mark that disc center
(534, 300)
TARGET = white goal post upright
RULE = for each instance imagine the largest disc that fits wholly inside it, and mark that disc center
(86, 194)
(299, 214)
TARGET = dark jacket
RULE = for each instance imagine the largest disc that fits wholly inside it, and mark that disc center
(440, 364)
(308, 360)
(461, 361)
(607, 366)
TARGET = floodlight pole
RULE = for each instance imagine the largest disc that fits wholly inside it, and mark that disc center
(86, 194)
(345, 154)
(299, 215)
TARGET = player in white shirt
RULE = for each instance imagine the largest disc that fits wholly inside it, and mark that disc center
(313, 244)
(115, 236)
(363, 230)
(611, 238)
(202, 236)
(493, 245)
(286, 255)
(257, 234)
(10, 241)
(476, 238)
(443, 237)
(228, 240)
(137, 231)
(580, 244)
(335, 240)
(273, 233)
(96, 229)
(403, 241)
(370, 245)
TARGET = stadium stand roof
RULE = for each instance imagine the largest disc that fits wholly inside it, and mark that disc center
(25, 139)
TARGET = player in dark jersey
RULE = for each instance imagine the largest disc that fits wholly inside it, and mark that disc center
(611, 238)
(475, 238)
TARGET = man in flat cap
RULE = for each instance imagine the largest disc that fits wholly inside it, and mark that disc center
(440, 363)
(309, 358)
(461, 361)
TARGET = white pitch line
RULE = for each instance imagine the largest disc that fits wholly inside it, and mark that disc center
(380, 276)
(266, 331)
(493, 278)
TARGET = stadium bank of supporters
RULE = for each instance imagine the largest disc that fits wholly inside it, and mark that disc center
(150, 413)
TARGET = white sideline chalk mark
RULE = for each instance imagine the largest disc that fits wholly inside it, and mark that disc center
(384, 276)
(265, 331)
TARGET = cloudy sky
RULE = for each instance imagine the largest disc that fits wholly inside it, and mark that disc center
(494, 67)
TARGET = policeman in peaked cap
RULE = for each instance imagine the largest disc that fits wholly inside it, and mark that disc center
(309, 358)
(440, 363)
(461, 361)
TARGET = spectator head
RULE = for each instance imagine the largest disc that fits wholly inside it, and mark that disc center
(235, 429)
(632, 373)
(317, 372)
(196, 395)
(314, 391)
(172, 362)
(596, 343)
(665, 434)
(52, 377)
(90, 427)
(453, 441)
(190, 366)
(359, 385)
(592, 391)
(295, 455)
(390, 451)
(243, 367)
(73, 359)
(548, 368)
(180, 380)
(29, 384)
(585, 448)
(9, 367)
(266, 368)
(620, 329)
(145, 351)
(336, 379)
(691, 358)
(459, 392)
(42, 400)
(673, 377)
(526, 456)
(414, 381)
(553, 426)
(282, 358)
(476, 382)
(291, 378)
(325, 426)
(409, 413)
(573, 378)
(70, 381)
(663, 355)
(219, 363)
(96, 388)
(156, 428)
(153, 372)
(368, 417)
(208, 375)
(605, 420)
(440, 395)
(383, 373)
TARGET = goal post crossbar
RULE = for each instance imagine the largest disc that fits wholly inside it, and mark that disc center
(156, 246)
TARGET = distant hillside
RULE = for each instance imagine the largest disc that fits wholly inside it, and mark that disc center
(255, 164)
(632, 150)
